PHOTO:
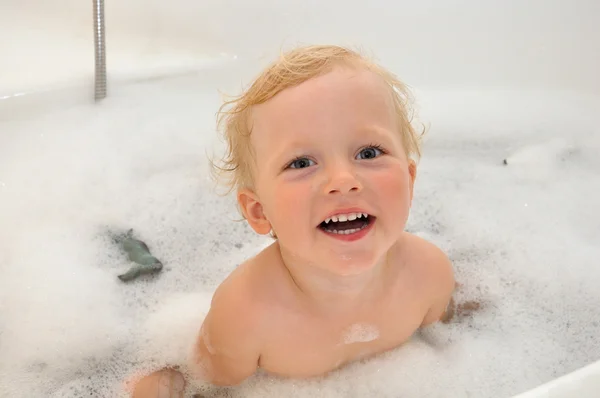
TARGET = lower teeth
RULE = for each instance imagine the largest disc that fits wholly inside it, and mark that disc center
(347, 231)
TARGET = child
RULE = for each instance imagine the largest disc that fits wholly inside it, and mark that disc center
(322, 156)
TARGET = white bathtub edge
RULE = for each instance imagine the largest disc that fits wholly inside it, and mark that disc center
(582, 383)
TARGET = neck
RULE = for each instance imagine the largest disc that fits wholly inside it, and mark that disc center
(336, 292)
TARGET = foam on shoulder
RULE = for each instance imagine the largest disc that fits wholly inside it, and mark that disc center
(360, 333)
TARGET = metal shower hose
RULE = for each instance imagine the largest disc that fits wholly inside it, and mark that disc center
(100, 51)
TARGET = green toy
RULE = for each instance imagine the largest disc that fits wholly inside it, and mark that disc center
(138, 252)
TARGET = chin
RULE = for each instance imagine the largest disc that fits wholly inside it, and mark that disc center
(349, 264)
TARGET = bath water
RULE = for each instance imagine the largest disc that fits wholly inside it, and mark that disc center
(523, 237)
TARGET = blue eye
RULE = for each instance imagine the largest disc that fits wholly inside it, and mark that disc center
(301, 163)
(369, 153)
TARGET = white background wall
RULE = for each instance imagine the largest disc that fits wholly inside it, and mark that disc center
(429, 43)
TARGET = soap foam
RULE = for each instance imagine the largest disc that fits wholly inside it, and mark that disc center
(523, 238)
(360, 333)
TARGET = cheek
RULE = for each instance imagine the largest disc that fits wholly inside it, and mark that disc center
(289, 205)
(393, 185)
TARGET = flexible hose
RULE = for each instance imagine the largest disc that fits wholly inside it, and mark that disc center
(100, 51)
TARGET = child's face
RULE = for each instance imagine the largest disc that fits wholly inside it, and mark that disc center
(325, 147)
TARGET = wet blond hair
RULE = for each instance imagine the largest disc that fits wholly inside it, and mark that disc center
(291, 69)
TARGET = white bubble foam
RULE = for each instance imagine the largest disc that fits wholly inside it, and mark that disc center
(360, 333)
(523, 238)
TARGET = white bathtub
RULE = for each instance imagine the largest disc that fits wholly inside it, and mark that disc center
(47, 59)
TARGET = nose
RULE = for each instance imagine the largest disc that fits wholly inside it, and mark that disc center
(342, 180)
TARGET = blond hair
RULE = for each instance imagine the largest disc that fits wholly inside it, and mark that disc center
(291, 69)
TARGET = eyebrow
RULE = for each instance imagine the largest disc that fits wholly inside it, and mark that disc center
(380, 131)
(377, 133)
(276, 157)
(289, 151)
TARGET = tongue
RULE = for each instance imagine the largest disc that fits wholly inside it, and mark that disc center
(344, 225)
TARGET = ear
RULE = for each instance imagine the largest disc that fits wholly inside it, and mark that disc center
(253, 211)
(412, 172)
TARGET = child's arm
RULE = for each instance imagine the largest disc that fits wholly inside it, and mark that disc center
(228, 347)
(443, 283)
(225, 353)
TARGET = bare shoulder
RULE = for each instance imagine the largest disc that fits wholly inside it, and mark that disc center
(233, 334)
(244, 292)
(432, 261)
(436, 273)
(253, 290)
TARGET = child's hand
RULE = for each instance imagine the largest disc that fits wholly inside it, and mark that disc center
(466, 309)
(166, 383)
(461, 310)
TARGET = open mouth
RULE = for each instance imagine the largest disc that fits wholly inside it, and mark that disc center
(346, 224)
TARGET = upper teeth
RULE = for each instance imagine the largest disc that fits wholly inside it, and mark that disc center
(345, 217)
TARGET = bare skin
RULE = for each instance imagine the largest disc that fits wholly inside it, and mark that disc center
(287, 333)
(165, 383)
